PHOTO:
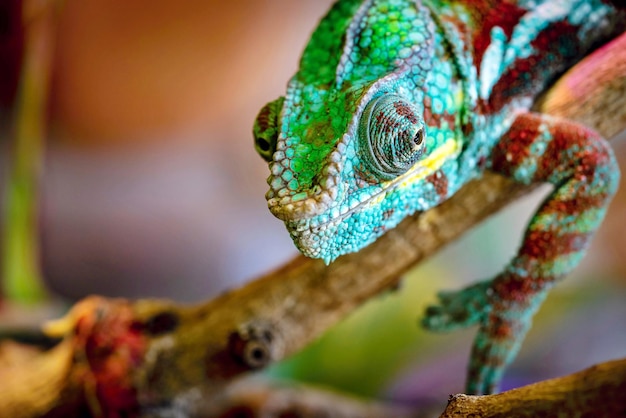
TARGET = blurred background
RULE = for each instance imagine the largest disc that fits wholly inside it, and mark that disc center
(150, 187)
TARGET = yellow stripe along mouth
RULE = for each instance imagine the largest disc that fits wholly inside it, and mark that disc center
(421, 170)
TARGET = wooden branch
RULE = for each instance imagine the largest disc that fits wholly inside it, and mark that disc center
(136, 355)
(254, 397)
(33, 384)
(594, 392)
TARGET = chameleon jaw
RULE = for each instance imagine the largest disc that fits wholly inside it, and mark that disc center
(313, 203)
(324, 198)
(289, 205)
(309, 233)
(315, 235)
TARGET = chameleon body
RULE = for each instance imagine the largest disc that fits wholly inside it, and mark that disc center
(399, 103)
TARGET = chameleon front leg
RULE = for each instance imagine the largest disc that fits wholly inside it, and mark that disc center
(582, 168)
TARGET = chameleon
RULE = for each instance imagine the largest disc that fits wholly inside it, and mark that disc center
(399, 103)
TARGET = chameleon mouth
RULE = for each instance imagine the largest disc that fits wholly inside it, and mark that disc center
(328, 235)
(323, 213)
(289, 206)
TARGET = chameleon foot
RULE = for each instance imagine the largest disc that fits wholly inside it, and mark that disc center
(502, 326)
(459, 309)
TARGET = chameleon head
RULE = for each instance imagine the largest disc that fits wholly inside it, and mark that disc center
(347, 146)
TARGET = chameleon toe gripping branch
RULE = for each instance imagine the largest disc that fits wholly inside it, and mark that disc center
(399, 103)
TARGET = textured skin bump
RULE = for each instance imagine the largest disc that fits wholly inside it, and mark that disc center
(399, 103)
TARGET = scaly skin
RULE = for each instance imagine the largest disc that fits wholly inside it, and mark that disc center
(399, 103)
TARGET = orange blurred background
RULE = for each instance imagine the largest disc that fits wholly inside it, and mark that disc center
(152, 186)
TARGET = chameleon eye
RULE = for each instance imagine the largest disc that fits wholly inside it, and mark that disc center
(266, 129)
(390, 136)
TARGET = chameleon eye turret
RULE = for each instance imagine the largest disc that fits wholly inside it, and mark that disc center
(391, 136)
(265, 130)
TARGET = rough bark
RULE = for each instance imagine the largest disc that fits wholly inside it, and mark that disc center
(33, 384)
(594, 392)
(254, 397)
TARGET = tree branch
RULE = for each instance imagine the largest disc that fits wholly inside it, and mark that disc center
(33, 384)
(594, 392)
(254, 397)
